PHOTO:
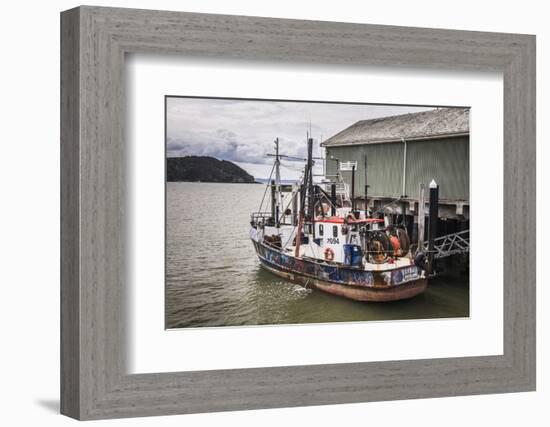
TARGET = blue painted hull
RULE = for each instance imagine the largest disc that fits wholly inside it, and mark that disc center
(349, 282)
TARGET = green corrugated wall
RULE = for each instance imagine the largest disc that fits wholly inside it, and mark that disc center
(445, 160)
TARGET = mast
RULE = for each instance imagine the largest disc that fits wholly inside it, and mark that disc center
(277, 184)
(366, 188)
(277, 193)
(273, 201)
(353, 191)
(311, 199)
(298, 237)
(333, 199)
(306, 189)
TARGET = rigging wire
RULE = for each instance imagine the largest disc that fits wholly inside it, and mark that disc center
(266, 187)
(288, 166)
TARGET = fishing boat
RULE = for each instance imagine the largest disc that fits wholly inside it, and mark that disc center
(314, 235)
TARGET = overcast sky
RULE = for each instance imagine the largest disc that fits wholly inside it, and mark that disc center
(243, 131)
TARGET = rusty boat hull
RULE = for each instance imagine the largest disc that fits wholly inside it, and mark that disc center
(348, 282)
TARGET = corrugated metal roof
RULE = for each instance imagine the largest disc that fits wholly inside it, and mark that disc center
(441, 122)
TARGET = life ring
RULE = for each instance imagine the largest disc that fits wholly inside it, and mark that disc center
(329, 255)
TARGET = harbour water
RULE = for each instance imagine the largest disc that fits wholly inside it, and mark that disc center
(213, 277)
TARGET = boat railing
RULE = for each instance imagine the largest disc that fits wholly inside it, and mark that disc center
(261, 218)
(341, 187)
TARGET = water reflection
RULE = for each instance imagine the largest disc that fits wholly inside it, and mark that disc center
(213, 277)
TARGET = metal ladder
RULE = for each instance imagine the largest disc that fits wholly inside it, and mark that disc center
(451, 244)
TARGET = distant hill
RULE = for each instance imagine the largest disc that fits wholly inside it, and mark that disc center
(205, 169)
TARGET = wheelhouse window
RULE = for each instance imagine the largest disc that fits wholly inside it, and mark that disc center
(334, 231)
(321, 230)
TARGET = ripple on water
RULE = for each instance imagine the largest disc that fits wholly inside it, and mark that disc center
(213, 277)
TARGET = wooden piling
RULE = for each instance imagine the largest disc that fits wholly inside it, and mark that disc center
(414, 235)
(432, 228)
(421, 215)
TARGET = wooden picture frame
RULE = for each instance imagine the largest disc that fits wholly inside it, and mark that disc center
(94, 382)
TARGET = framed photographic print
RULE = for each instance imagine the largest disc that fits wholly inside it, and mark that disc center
(261, 213)
(337, 215)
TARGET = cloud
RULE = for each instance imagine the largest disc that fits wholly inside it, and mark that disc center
(222, 144)
(244, 131)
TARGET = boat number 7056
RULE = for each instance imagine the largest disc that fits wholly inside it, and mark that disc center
(333, 240)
